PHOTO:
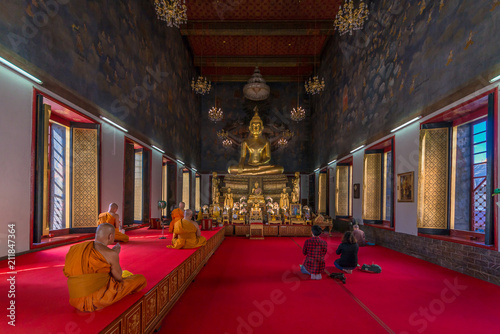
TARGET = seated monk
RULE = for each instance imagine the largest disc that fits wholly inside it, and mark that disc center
(187, 233)
(111, 217)
(95, 278)
(176, 214)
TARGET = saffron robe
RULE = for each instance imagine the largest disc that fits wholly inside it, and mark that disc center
(107, 217)
(186, 236)
(90, 283)
(177, 214)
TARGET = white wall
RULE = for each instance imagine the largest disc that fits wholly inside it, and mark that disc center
(156, 166)
(331, 189)
(357, 177)
(304, 187)
(205, 189)
(16, 112)
(406, 160)
(112, 165)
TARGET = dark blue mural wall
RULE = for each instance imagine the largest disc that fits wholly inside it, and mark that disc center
(275, 112)
(409, 55)
(117, 55)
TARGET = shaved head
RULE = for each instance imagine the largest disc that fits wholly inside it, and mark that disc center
(113, 207)
(182, 205)
(188, 213)
(104, 231)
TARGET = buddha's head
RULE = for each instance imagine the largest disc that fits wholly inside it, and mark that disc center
(256, 125)
(297, 174)
(256, 184)
(228, 190)
(214, 174)
(284, 190)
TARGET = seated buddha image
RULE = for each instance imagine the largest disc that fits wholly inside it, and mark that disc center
(258, 149)
(256, 197)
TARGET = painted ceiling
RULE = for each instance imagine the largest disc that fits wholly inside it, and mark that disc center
(284, 38)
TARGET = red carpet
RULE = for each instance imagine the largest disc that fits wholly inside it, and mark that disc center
(244, 274)
(42, 294)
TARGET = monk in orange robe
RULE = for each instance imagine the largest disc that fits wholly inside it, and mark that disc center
(177, 215)
(111, 217)
(187, 233)
(95, 278)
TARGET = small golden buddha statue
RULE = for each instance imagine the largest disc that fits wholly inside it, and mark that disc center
(228, 199)
(284, 200)
(259, 152)
(296, 188)
(256, 197)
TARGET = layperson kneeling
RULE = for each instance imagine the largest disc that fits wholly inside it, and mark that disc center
(95, 278)
(187, 233)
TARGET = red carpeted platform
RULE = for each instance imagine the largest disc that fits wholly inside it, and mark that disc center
(254, 286)
(42, 295)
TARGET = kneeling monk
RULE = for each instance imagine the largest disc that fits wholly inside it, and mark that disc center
(187, 233)
(95, 278)
(177, 214)
(111, 217)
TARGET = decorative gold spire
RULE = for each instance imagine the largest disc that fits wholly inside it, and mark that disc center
(256, 118)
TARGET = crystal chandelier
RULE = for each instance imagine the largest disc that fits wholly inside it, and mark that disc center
(282, 142)
(256, 88)
(201, 86)
(298, 114)
(174, 12)
(314, 86)
(227, 142)
(222, 134)
(215, 114)
(349, 19)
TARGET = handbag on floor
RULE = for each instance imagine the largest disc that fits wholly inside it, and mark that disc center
(371, 268)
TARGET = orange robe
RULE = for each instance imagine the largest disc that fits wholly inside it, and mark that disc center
(177, 214)
(107, 217)
(90, 283)
(186, 236)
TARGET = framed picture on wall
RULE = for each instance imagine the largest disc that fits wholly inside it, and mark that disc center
(405, 187)
(355, 190)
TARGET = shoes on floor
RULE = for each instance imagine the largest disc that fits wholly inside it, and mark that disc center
(338, 276)
(316, 277)
(349, 271)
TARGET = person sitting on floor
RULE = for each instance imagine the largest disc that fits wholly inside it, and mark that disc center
(95, 278)
(360, 236)
(315, 251)
(348, 251)
(187, 233)
(176, 214)
(111, 217)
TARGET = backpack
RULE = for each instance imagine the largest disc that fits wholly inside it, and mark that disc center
(373, 268)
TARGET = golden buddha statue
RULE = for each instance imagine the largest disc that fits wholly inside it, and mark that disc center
(284, 200)
(296, 188)
(228, 199)
(259, 152)
(256, 197)
(215, 188)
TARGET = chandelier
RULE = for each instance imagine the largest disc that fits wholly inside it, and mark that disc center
(222, 134)
(256, 88)
(227, 142)
(314, 86)
(201, 86)
(215, 114)
(174, 12)
(282, 142)
(298, 114)
(349, 19)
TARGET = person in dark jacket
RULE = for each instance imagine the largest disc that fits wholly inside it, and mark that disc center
(348, 251)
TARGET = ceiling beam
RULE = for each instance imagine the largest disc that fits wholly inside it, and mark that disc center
(268, 78)
(258, 28)
(278, 61)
